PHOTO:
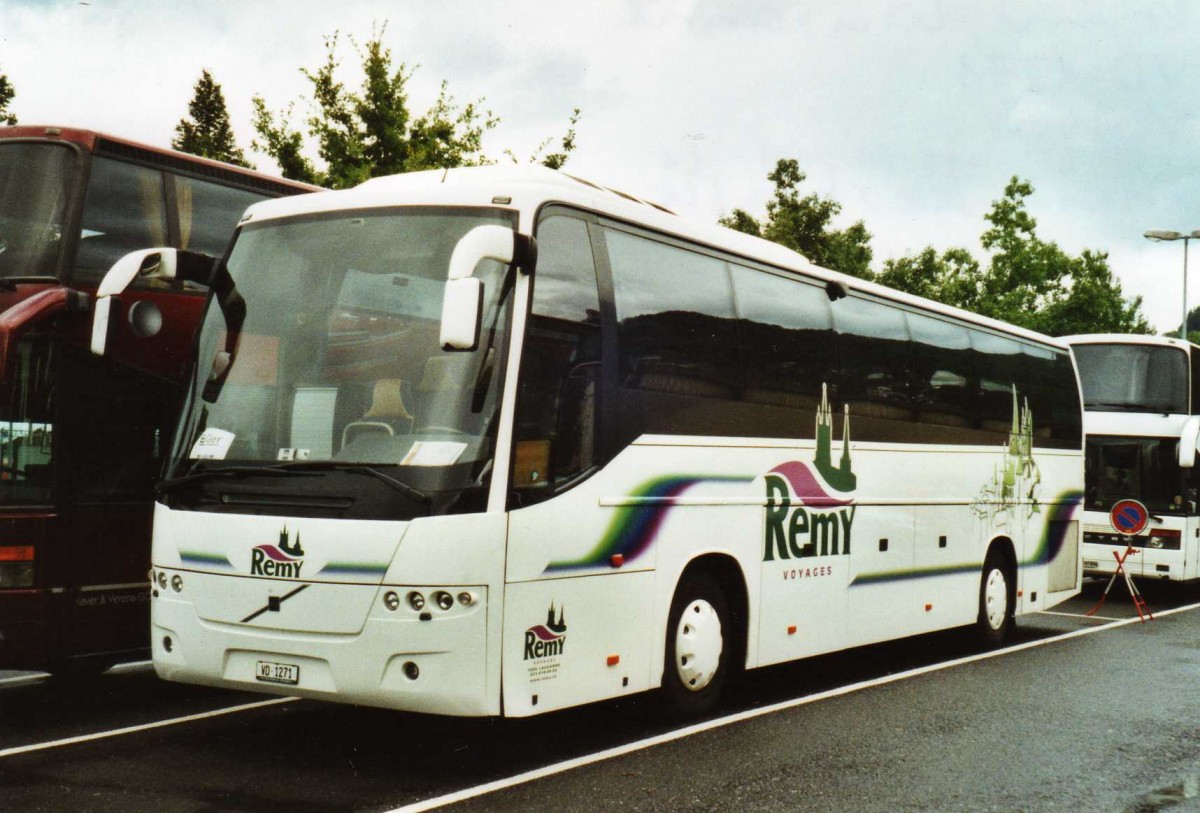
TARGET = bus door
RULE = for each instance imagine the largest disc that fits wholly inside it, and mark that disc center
(113, 424)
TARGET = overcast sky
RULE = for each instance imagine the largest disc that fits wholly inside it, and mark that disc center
(912, 115)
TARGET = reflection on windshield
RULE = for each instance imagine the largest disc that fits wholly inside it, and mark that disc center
(1144, 469)
(338, 357)
(34, 183)
(1143, 378)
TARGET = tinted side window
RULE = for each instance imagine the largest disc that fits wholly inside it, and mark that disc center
(787, 351)
(1000, 361)
(125, 210)
(208, 213)
(942, 371)
(1053, 397)
(675, 316)
(677, 337)
(875, 359)
(559, 389)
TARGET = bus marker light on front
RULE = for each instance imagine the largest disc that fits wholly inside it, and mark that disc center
(391, 600)
(416, 601)
(928, 607)
(444, 600)
(16, 553)
(613, 660)
(792, 629)
(618, 559)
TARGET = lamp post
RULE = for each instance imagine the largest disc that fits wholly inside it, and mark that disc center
(1158, 235)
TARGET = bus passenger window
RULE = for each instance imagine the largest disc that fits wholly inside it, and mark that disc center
(208, 213)
(557, 401)
(125, 210)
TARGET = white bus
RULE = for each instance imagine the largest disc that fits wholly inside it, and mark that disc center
(1139, 398)
(428, 463)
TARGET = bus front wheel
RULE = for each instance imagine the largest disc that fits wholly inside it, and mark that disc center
(699, 634)
(996, 608)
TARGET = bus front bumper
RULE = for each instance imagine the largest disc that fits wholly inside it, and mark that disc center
(433, 660)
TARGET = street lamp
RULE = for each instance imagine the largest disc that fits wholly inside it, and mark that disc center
(1158, 235)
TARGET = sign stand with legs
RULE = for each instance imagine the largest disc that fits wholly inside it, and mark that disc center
(1128, 517)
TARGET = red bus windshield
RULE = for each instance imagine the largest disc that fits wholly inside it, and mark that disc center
(35, 180)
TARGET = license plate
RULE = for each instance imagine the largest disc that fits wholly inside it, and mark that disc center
(1090, 563)
(286, 673)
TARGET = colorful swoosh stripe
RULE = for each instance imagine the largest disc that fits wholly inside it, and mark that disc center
(545, 634)
(354, 569)
(275, 553)
(805, 485)
(198, 559)
(633, 528)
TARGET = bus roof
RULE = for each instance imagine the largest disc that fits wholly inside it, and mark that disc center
(1129, 338)
(527, 188)
(94, 141)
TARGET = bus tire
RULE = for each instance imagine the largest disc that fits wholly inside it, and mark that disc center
(699, 640)
(996, 610)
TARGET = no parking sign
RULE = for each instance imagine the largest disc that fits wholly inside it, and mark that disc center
(1128, 517)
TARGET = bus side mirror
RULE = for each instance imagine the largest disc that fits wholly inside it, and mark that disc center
(147, 264)
(462, 313)
(1188, 439)
(462, 303)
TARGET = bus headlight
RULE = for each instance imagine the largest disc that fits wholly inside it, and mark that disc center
(416, 601)
(391, 600)
(162, 580)
(177, 583)
(444, 600)
(466, 599)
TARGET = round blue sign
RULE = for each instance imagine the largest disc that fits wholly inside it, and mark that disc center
(1128, 517)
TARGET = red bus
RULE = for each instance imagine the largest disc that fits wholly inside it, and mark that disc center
(81, 437)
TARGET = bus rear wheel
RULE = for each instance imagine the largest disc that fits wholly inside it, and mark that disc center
(699, 637)
(996, 608)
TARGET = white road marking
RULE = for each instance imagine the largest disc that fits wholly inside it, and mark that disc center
(721, 722)
(38, 677)
(1083, 615)
(116, 732)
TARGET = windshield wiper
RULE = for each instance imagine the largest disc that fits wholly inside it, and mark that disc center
(314, 466)
(223, 471)
(301, 468)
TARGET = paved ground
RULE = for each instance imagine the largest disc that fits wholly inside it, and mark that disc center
(1102, 721)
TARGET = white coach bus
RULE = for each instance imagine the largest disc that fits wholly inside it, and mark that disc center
(1139, 397)
(500, 441)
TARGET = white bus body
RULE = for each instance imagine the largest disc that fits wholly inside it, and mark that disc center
(1138, 399)
(567, 533)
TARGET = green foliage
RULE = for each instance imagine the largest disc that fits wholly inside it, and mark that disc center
(803, 224)
(207, 131)
(1028, 282)
(1193, 325)
(372, 131)
(6, 96)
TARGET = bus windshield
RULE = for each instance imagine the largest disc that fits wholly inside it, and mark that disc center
(35, 180)
(1133, 377)
(337, 357)
(1143, 469)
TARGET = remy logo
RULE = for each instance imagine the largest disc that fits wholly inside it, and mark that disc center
(281, 561)
(546, 640)
(809, 508)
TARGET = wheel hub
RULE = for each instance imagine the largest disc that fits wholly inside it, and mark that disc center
(995, 598)
(698, 645)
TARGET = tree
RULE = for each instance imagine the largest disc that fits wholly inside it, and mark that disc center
(6, 96)
(372, 131)
(1028, 281)
(207, 132)
(803, 224)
